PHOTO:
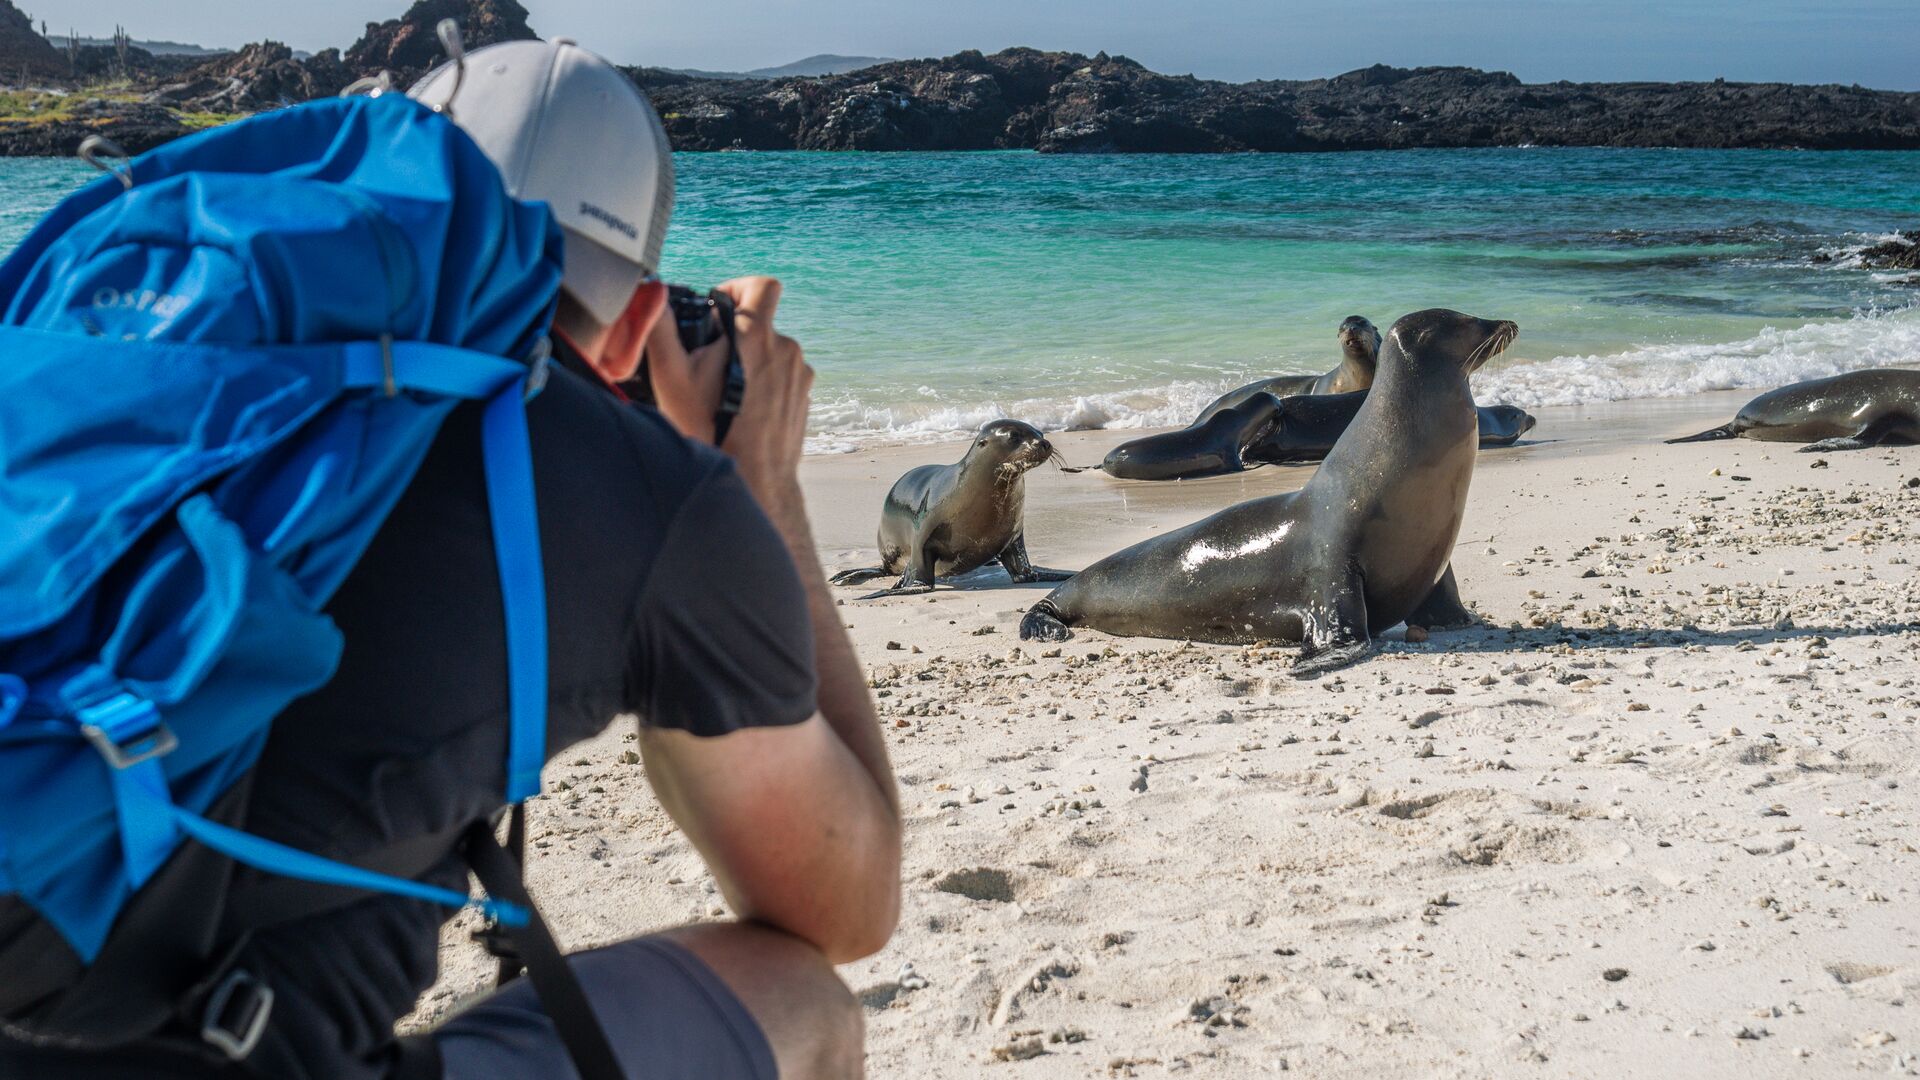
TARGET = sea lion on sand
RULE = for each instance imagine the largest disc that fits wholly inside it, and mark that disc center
(1310, 426)
(943, 520)
(1210, 447)
(1843, 412)
(1502, 425)
(1265, 430)
(1359, 347)
(1363, 546)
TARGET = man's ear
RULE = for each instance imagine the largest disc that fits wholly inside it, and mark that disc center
(627, 337)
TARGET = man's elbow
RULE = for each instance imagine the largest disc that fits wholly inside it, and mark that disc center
(872, 915)
(864, 936)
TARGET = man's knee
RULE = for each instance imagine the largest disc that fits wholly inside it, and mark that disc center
(844, 1026)
(812, 1020)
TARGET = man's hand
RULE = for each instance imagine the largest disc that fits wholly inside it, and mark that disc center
(766, 436)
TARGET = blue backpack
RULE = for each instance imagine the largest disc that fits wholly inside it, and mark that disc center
(219, 369)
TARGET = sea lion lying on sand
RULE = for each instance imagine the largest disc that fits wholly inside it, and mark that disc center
(1842, 412)
(944, 520)
(1265, 430)
(1362, 547)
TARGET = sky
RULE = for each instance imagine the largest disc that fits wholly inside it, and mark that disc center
(1871, 42)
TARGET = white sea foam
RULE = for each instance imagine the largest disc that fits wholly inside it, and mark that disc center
(841, 425)
(1772, 357)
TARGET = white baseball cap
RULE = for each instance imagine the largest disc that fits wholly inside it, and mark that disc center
(568, 129)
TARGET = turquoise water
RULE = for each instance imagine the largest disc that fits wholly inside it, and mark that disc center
(934, 291)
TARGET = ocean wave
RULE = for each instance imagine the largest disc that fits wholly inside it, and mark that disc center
(846, 424)
(1772, 357)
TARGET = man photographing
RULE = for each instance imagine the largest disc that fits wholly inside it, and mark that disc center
(798, 821)
(680, 585)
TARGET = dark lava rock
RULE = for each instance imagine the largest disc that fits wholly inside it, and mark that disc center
(136, 126)
(1065, 102)
(409, 48)
(1900, 253)
(260, 76)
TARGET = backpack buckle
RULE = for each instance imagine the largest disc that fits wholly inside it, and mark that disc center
(237, 1013)
(126, 729)
(539, 366)
(387, 381)
(498, 943)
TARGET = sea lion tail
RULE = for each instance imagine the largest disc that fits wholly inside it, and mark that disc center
(1724, 431)
(1043, 623)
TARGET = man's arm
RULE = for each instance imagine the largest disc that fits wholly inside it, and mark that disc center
(800, 825)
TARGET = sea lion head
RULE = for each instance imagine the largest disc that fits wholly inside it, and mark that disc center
(1514, 415)
(1359, 341)
(1014, 445)
(1439, 340)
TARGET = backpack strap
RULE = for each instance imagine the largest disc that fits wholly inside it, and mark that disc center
(492, 936)
(508, 455)
(561, 997)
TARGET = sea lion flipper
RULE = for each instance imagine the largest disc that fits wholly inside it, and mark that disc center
(1315, 662)
(905, 588)
(1042, 623)
(1845, 442)
(917, 579)
(857, 577)
(1443, 608)
(1724, 431)
(1872, 435)
(1336, 633)
(1021, 569)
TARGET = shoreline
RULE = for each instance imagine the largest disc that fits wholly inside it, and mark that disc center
(1656, 817)
(1632, 376)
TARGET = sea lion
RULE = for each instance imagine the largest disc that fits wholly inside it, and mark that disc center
(1502, 425)
(1366, 544)
(1309, 426)
(1842, 412)
(1265, 430)
(1359, 346)
(1210, 447)
(943, 520)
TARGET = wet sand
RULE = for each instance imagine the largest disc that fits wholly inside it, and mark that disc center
(1656, 817)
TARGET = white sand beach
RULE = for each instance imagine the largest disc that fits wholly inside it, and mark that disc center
(1656, 818)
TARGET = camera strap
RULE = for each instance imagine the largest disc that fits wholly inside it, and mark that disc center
(735, 389)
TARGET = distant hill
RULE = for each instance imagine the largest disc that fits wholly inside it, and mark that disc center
(24, 55)
(811, 67)
(823, 64)
(157, 48)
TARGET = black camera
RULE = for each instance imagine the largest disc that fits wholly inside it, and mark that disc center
(701, 320)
